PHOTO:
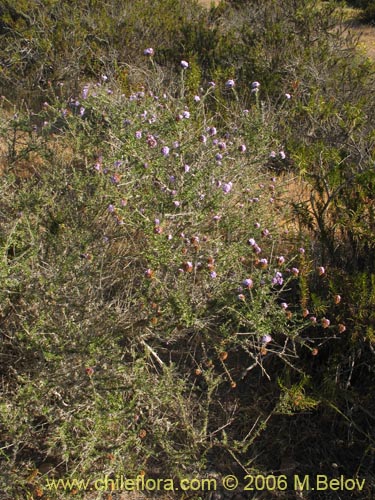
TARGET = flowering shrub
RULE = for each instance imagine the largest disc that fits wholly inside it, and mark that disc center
(165, 297)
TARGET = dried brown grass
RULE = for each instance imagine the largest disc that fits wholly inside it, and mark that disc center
(367, 38)
(207, 3)
(366, 32)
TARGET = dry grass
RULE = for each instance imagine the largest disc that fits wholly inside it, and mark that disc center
(367, 38)
(207, 3)
(366, 32)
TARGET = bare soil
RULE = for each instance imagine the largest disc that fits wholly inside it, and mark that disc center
(367, 37)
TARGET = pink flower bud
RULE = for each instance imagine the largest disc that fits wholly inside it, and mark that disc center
(325, 323)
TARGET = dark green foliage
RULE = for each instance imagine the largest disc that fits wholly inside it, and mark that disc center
(367, 9)
(368, 15)
(48, 42)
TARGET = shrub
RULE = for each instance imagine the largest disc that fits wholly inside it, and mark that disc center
(45, 43)
(168, 295)
(142, 282)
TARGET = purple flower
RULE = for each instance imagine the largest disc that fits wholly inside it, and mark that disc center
(115, 179)
(165, 150)
(184, 64)
(280, 260)
(284, 305)
(186, 114)
(197, 98)
(218, 157)
(138, 134)
(203, 139)
(288, 96)
(213, 274)
(229, 84)
(272, 154)
(325, 323)
(151, 141)
(85, 91)
(226, 187)
(212, 131)
(248, 283)
(111, 208)
(176, 203)
(242, 148)
(186, 168)
(266, 339)
(251, 242)
(282, 155)
(277, 279)
(256, 225)
(148, 52)
(295, 271)
(212, 84)
(255, 85)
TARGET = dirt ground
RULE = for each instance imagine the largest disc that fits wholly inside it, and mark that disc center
(207, 3)
(367, 37)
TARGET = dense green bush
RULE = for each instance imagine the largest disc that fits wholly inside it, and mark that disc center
(46, 42)
(366, 9)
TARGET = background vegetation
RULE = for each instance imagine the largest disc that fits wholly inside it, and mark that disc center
(187, 270)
